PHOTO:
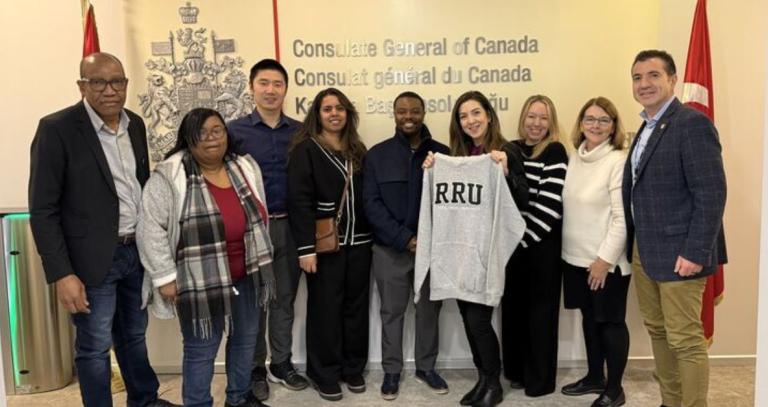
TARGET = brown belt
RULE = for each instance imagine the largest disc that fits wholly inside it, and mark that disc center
(126, 239)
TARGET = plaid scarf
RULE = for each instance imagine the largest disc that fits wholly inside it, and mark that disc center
(204, 282)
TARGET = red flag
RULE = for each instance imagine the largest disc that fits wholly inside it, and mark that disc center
(698, 94)
(90, 34)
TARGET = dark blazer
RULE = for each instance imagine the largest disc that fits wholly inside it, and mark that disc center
(316, 179)
(392, 190)
(679, 195)
(72, 198)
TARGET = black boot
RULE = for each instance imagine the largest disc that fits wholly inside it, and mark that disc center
(490, 395)
(471, 397)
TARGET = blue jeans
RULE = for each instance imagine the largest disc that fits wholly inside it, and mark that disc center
(116, 319)
(200, 353)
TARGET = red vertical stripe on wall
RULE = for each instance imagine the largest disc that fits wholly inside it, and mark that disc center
(276, 29)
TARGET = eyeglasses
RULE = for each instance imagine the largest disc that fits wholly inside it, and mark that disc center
(98, 84)
(603, 121)
(213, 134)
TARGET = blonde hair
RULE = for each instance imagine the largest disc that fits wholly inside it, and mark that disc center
(618, 136)
(553, 132)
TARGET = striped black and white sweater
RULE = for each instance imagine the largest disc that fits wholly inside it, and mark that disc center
(546, 177)
(316, 178)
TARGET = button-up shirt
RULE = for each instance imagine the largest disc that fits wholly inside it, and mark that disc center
(122, 164)
(650, 124)
(269, 147)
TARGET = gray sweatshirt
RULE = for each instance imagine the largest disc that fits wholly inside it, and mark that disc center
(468, 228)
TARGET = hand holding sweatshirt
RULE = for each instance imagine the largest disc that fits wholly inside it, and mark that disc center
(469, 226)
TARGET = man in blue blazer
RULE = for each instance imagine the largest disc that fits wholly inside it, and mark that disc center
(674, 195)
(88, 165)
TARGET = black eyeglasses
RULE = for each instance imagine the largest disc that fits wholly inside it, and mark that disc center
(602, 121)
(98, 85)
(215, 133)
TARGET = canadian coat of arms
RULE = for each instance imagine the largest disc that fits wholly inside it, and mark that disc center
(182, 79)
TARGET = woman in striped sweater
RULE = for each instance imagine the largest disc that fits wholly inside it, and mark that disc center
(531, 302)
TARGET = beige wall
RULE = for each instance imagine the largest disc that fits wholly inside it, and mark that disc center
(42, 47)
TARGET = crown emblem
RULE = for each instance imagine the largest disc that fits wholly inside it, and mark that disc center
(189, 13)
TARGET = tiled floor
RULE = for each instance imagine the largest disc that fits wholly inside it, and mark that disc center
(730, 386)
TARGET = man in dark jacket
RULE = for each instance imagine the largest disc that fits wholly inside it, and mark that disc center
(88, 165)
(392, 193)
(674, 194)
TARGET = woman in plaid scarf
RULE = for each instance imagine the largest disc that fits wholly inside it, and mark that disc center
(203, 240)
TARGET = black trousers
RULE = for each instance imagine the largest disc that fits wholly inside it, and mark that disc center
(530, 312)
(482, 338)
(337, 314)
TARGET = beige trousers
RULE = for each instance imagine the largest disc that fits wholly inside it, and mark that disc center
(672, 314)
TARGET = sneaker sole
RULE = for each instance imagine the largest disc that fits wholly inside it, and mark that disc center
(277, 380)
(437, 391)
(389, 397)
(356, 389)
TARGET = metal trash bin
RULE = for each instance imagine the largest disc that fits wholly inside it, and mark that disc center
(35, 330)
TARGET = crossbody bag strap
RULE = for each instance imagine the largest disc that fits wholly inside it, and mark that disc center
(343, 200)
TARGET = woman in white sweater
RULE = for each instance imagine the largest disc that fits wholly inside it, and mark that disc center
(596, 272)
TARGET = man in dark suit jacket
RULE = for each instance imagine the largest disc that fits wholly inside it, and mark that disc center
(88, 165)
(674, 196)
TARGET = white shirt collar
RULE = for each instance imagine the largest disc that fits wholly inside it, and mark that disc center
(99, 124)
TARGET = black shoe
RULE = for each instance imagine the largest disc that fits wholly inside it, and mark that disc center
(259, 385)
(330, 392)
(605, 401)
(285, 374)
(584, 386)
(490, 395)
(390, 386)
(355, 383)
(471, 397)
(163, 403)
(250, 401)
(433, 380)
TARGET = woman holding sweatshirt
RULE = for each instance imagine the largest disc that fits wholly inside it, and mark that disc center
(325, 180)
(595, 268)
(475, 130)
(531, 302)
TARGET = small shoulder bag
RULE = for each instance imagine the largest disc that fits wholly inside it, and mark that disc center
(327, 229)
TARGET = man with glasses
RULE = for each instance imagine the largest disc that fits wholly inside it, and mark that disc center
(266, 134)
(88, 165)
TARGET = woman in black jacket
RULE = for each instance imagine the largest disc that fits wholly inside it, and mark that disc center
(324, 153)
